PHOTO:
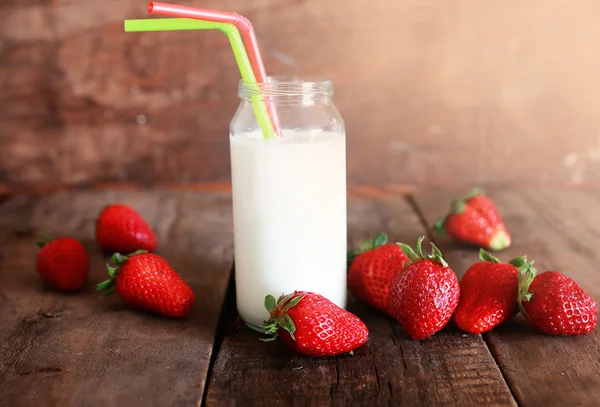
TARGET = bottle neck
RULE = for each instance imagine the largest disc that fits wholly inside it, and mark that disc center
(291, 90)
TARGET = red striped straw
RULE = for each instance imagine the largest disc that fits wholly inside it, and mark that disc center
(241, 23)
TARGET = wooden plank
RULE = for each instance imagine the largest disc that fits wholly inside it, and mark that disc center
(73, 350)
(559, 229)
(449, 369)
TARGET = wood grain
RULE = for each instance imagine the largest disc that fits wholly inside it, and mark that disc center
(560, 232)
(74, 350)
(449, 369)
(434, 94)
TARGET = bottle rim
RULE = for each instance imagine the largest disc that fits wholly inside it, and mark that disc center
(287, 87)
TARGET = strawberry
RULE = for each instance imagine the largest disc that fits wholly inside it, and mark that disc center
(310, 324)
(554, 304)
(425, 293)
(488, 293)
(145, 281)
(63, 263)
(372, 272)
(121, 229)
(474, 219)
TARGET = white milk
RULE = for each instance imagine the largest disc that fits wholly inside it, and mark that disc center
(289, 211)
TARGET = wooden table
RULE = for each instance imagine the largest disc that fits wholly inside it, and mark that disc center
(79, 350)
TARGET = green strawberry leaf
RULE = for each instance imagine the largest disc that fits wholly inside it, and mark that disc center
(530, 266)
(112, 271)
(367, 245)
(439, 226)
(518, 262)
(270, 303)
(44, 240)
(287, 324)
(473, 193)
(410, 253)
(118, 259)
(457, 206)
(420, 247)
(279, 318)
(106, 287)
(285, 299)
(140, 251)
(109, 291)
(526, 275)
(290, 326)
(437, 255)
(485, 256)
(380, 240)
(270, 329)
(292, 303)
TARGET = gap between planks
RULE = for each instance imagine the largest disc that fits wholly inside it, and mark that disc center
(227, 310)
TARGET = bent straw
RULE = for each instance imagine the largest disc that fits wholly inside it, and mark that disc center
(239, 52)
(240, 22)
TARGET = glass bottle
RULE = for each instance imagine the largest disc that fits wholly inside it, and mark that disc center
(289, 195)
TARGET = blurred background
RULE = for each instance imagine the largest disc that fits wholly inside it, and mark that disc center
(435, 94)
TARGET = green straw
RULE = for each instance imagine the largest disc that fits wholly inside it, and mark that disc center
(237, 45)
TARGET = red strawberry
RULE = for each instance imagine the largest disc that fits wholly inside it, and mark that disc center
(372, 272)
(425, 293)
(145, 281)
(63, 263)
(121, 229)
(310, 324)
(488, 293)
(475, 220)
(554, 304)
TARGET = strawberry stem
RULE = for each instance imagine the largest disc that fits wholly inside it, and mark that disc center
(108, 286)
(526, 275)
(520, 263)
(436, 254)
(485, 256)
(279, 319)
